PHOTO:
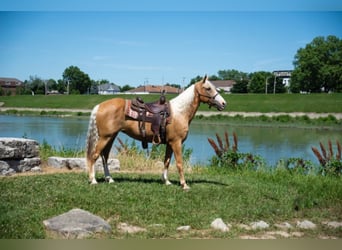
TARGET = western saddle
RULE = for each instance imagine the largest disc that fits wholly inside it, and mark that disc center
(157, 113)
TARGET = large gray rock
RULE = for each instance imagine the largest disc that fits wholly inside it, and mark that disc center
(5, 169)
(18, 155)
(76, 224)
(25, 164)
(80, 163)
(18, 148)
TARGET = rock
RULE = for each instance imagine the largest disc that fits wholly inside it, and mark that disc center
(262, 237)
(218, 224)
(5, 169)
(76, 224)
(25, 164)
(306, 224)
(332, 224)
(280, 233)
(4, 166)
(18, 155)
(297, 234)
(80, 163)
(36, 169)
(126, 228)
(18, 148)
(259, 225)
(183, 228)
(56, 162)
(284, 225)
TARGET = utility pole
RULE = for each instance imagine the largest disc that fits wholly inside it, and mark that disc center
(266, 83)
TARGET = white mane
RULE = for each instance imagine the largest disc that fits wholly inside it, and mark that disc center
(180, 103)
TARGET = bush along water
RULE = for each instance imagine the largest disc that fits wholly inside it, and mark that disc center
(227, 156)
(331, 164)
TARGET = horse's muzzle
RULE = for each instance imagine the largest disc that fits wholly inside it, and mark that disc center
(220, 105)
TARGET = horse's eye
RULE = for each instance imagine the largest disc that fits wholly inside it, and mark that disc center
(208, 89)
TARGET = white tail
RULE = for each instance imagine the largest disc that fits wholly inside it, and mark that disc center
(92, 135)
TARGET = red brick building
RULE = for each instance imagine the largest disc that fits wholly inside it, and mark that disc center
(10, 85)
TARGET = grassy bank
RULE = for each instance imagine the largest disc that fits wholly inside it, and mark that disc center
(320, 103)
(142, 200)
(238, 195)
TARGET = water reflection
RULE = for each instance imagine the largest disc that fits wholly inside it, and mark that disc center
(272, 143)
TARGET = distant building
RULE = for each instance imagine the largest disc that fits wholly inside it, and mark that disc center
(154, 89)
(108, 89)
(10, 85)
(285, 75)
(225, 85)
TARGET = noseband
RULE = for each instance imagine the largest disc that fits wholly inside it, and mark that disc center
(211, 99)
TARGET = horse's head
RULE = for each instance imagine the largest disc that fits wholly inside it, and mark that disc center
(208, 93)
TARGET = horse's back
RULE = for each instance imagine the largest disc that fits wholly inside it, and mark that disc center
(111, 105)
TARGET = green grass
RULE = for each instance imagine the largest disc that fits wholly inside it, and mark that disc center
(320, 103)
(142, 200)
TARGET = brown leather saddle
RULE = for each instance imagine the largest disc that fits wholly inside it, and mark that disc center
(157, 113)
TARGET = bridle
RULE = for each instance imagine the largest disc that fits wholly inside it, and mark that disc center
(211, 99)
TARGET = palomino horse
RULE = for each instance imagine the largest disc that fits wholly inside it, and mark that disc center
(108, 118)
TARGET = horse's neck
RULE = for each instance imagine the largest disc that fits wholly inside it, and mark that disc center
(185, 104)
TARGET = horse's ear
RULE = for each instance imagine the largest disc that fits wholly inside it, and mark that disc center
(204, 79)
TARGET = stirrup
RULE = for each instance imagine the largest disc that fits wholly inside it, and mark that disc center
(154, 141)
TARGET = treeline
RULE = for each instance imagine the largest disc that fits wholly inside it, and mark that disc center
(317, 68)
(256, 82)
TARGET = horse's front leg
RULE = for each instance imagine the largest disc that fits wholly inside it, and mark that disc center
(108, 178)
(167, 160)
(177, 150)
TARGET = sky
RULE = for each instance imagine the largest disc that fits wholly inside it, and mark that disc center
(158, 44)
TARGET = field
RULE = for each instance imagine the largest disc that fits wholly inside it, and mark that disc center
(320, 103)
(142, 200)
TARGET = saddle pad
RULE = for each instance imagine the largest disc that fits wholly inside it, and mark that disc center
(132, 113)
(129, 112)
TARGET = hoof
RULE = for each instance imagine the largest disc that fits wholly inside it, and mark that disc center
(165, 180)
(109, 179)
(185, 187)
(93, 182)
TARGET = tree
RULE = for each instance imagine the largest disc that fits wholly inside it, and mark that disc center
(240, 86)
(61, 86)
(258, 82)
(79, 82)
(232, 74)
(318, 66)
(126, 88)
(35, 84)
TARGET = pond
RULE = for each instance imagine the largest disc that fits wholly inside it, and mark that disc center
(272, 143)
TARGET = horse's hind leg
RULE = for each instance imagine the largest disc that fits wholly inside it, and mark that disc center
(99, 151)
(167, 160)
(104, 156)
(91, 170)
